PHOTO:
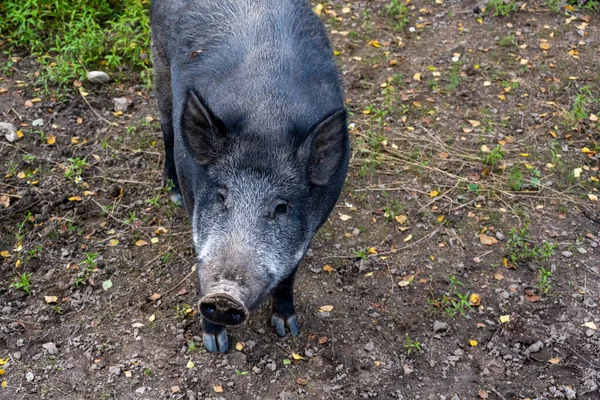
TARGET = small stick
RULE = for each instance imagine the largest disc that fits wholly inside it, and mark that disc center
(497, 393)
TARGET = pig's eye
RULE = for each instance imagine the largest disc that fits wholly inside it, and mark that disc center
(221, 197)
(281, 208)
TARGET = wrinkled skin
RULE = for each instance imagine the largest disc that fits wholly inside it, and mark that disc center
(256, 145)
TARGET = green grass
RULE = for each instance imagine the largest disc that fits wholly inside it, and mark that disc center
(398, 12)
(502, 8)
(23, 282)
(520, 248)
(69, 37)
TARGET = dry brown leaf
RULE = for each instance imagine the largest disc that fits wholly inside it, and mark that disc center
(325, 308)
(487, 240)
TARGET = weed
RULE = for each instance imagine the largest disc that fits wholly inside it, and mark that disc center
(361, 254)
(494, 157)
(579, 109)
(393, 210)
(89, 267)
(33, 253)
(58, 309)
(240, 373)
(411, 345)
(544, 280)
(131, 219)
(515, 179)
(520, 249)
(23, 282)
(20, 235)
(502, 8)
(29, 158)
(508, 41)
(182, 311)
(398, 11)
(75, 168)
(166, 258)
(192, 346)
(554, 5)
(454, 77)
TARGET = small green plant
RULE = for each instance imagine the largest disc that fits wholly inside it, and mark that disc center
(361, 254)
(154, 201)
(502, 8)
(411, 345)
(508, 41)
(34, 252)
(23, 282)
(241, 373)
(398, 11)
(182, 311)
(454, 77)
(131, 219)
(166, 258)
(192, 346)
(89, 267)
(29, 158)
(544, 280)
(20, 235)
(58, 309)
(147, 372)
(75, 168)
(494, 157)
(520, 248)
(554, 5)
(515, 179)
(393, 210)
(578, 111)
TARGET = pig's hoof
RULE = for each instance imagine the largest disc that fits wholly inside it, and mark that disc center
(177, 199)
(280, 323)
(216, 342)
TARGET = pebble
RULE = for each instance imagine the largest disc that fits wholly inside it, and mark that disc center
(114, 370)
(570, 392)
(590, 332)
(98, 77)
(407, 369)
(10, 131)
(499, 236)
(121, 104)
(439, 326)
(567, 254)
(581, 250)
(29, 376)
(534, 348)
(370, 346)
(51, 348)
(140, 390)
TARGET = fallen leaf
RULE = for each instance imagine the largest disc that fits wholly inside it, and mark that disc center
(161, 231)
(498, 276)
(75, 198)
(417, 76)
(5, 254)
(345, 217)
(474, 123)
(141, 243)
(328, 268)
(297, 356)
(485, 149)
(302, 381)
(487, 240)
(473, 343)
(590, 325)
(434, 193)
(152, 318)
(4, 384)
(545, 46)
(128, 374)
(325, 308)
(531, 297)
(2, 372)
(239, 346)
(3, 361)
(504, 319)
(190, 364)
(593, 117)
(107, 284)
(577, 172)
(50, 299)
(322, 340)
(155, 296)
(408, 238)
(113, 242)
(401, 219)
(593, 197)
(218, 388)
(554, 360)
(154, 240)
(406, 280)
(475, 299)
(483, 394)
(287, 361)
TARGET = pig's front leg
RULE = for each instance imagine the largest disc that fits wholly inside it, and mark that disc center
(214, 337)
(283, 307)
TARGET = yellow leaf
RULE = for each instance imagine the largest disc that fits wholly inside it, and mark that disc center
(593, 117)
(374, 43)
(577, 172)
(544, 46)
(475, 299)
(440, 218)
(325, 308)
(2, 372)
(401, 219)
(406, 280)
(592, 197)
(154, 240)
(502, 97)
(161, 231)
(190, 364)
(573, 52)
(554, 360)
(524, 154)
(5, 253)
(504, 318)
(51, 299)
(218, 388)
(433, 193)
(21, 175)
(346, 10)
(75, 198)
(368, 274)
(113, 242)
(36, 100)
(474, 123)
(141, 243)
(297, 356)
(20, 134)
(4, 361)
(88, 193)
(372, 250)
(328, 268)
(4, 384)
(417, 77)
(487, 240)
(473, 343)
(591, 325)
(51, 139)
(152, 318)
(239, 346)
(408, 238)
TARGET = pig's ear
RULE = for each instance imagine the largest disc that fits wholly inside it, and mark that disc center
(203, 134)
(326, 147)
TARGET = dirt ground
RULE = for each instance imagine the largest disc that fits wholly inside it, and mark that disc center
(462, 260)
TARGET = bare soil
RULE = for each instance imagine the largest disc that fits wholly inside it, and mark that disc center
(430, 101)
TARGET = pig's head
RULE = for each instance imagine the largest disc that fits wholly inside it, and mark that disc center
(255, 202)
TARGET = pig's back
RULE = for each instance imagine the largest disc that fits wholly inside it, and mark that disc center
(264, 62)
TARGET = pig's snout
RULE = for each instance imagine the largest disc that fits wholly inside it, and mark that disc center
(223, 309)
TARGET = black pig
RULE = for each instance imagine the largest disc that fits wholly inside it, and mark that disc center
(256, 142)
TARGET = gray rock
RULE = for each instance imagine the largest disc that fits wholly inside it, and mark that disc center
(407, 369)
(534, 348)
(581, 250)
(37, 122)
(369, 346)
(439, 326)
(499, 236)
(50, 348)
(9, 131)
(140, 390)
(570, 393)
(98, 77)
(567, 254)
(121, 103)
(590, 332)
(114, 370)
(29, 376)
(190, 395)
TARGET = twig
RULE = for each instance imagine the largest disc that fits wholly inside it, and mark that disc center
(183, 280)
(96, 112)
(10, 195)
(497, 393)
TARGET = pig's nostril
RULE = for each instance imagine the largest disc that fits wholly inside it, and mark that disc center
(236, 315)
(210, 308)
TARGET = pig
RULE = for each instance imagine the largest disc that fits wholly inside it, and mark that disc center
(256, 141)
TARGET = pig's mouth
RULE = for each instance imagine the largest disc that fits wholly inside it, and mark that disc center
(223, 309)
